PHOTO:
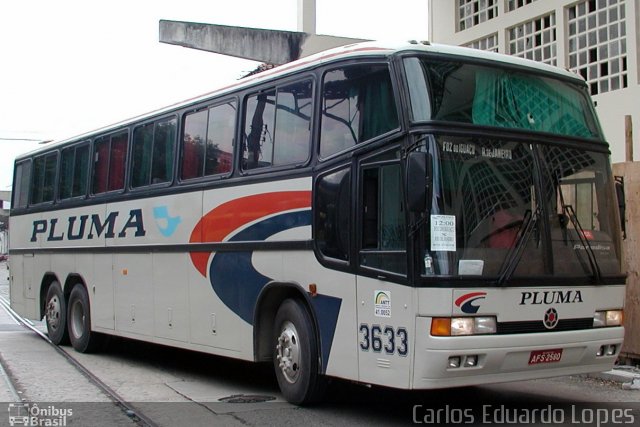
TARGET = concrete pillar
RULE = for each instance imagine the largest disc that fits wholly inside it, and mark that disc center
(307, 16)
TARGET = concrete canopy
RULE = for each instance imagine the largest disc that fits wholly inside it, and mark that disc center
(268, 46)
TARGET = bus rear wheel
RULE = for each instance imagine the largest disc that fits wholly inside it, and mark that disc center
(79, 318)
(295, 355)
(55, 311)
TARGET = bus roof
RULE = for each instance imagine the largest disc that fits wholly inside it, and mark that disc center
(364, 49)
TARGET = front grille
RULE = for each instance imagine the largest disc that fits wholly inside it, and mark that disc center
(536, 326)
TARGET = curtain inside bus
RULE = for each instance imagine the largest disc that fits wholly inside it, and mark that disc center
(515, 100)
(499, 97)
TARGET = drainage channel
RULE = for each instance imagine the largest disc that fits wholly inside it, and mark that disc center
(129, 410)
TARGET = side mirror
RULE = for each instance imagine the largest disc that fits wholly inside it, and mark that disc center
(619, 183)
(419, 179)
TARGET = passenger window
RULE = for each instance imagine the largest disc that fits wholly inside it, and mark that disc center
(278, 126)
(357, 104)
(220, 135)
(74, 170)
(21, 184)
(293, 124)
(43, 180)
(109, 156)
(259, 126)
(207, 144)
(153, 147)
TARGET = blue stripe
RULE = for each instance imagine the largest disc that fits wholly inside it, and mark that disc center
(234, 278)
(238, 284)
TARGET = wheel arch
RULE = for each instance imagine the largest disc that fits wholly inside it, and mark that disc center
(50, 277)
(47, 279)
(72, 280)
(269, 300)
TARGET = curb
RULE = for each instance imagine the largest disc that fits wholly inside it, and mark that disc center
(621, 376)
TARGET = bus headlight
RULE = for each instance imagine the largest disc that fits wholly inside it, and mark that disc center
(460, 326)
(607, 318)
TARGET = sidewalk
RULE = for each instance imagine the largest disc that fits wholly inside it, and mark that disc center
(7, 323)
(627, 376)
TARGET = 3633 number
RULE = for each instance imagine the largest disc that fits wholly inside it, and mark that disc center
(384, 339)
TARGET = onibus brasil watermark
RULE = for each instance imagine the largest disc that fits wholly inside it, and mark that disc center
(502, 414)
(32, 414)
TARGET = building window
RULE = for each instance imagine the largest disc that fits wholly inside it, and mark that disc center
(489, 43)
(474, 12)
(597, 44)
(516, 4)
(535, 39)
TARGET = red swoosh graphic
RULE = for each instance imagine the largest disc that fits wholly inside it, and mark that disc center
(229, 216)
(465, 297)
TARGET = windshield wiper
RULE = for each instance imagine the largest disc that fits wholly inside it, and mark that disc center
(515, 253)
(591, 256)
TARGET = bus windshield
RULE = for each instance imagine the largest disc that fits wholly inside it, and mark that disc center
(504, 209)
(453, 91)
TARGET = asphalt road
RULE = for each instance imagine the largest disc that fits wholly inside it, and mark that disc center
(171, 387)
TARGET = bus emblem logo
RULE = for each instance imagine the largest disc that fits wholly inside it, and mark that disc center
(551, 318)
(166, 223)
(465, 302)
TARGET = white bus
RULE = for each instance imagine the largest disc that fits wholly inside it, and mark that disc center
(413, 216)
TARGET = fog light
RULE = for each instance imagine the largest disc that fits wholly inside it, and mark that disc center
(454, 362)
(611, 350)
(471, 361)
(600, 351)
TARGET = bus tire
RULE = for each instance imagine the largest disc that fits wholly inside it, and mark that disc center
(79, 322)
(55, 311)
(295, 356)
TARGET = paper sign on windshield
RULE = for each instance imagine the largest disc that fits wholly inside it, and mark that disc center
(443, 233)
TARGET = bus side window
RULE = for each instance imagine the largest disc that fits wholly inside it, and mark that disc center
(193, 140)
(153, 147)
(278, 126)
(220, 134)
(259, 126)
(74, 169)
(383, 219)
(21, 184)
(293, 124)
(109, 157)
(332, 214)
(207, 143)
(357, 104)
(44, 175)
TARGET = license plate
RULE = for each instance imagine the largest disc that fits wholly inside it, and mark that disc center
(545, 356)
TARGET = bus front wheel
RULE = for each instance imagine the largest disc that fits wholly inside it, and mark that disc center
(56, 314)
(79, 319)
(296, 354)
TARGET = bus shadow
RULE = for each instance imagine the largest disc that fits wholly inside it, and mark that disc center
(344, 402)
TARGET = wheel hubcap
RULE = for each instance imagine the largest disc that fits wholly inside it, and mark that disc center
(288, 352)
(53, 312)
(77, 319)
